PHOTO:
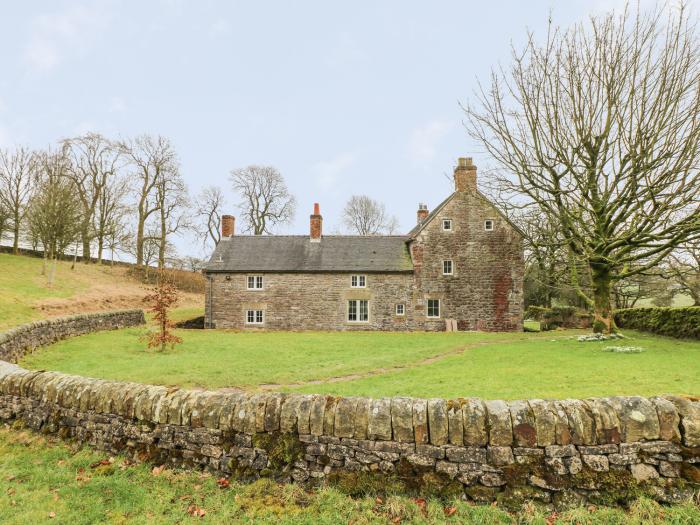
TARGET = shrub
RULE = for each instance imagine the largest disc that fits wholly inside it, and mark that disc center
(558, 316)
(673, 322)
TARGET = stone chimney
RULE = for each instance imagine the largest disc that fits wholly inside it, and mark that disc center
(422, 212)
(316, 224)
(228, 224)
(465, 175)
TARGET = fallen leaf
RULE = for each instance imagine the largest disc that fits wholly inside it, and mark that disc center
(379, 500)
(223, 483)
(52, 514)
(157, 470)
(196, 511)
(102, 463)
(450, 511)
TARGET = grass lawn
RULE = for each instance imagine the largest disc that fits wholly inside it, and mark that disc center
(492, 366)
(46, 481)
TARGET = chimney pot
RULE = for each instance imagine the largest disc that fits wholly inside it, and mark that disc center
(228, 224)
(465, 175)
(316, 228)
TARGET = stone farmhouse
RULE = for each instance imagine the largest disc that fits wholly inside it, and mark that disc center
(461, 267)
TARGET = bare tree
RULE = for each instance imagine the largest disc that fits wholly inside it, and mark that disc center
(365, 216)
(111, 213)
(54, 210)
(17, 177)
(151, 159)
(209, 207)
(265, 199)
(172, 202)
(600, 127)
(94, 163)
(683, 269)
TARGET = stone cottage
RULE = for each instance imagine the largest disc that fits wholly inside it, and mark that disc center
(460, 266)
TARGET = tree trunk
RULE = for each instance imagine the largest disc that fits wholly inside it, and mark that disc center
(15, 239)
(139, 242)
(86, 248)
(100, 247)
(603, 321)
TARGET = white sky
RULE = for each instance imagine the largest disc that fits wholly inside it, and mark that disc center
(343, 98)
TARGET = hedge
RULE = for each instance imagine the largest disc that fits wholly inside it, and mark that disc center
(674, 322)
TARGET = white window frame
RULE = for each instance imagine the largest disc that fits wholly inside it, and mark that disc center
(427, 309)
(358, 281)
(451, 264)
(357, 306)
(256, 280)
(443, 225)
(258, 316)
(402, 308)
(491, 223)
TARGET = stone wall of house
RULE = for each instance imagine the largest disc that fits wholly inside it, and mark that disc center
(16, 342)
(601, 451)
(485, 291)
(318, 301)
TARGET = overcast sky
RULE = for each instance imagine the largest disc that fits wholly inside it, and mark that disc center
(355, 97)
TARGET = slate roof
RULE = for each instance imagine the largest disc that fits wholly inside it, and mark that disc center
(296, 253)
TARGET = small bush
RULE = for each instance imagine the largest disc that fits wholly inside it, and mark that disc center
(673, 322)
(558, 317)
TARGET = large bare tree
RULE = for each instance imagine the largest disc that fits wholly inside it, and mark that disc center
(152, 159)
(172, 202)
(265, 199)
(54, 214)
(17, 178)
(94, 164)
(599, 126)
(365, 216)
(209, 208)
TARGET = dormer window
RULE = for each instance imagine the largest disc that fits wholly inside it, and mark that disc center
(488, 225)
(358, 281)
(447, 225)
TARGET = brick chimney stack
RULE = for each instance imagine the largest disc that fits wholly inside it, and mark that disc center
(422, 212)
(228, 224)
(465, 175)
(316, 224)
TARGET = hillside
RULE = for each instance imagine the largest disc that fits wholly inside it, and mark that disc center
(26, 296)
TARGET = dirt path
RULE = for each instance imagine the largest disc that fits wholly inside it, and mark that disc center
(266, 387)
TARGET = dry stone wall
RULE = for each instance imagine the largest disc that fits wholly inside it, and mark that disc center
(18, 341)
(561, 453)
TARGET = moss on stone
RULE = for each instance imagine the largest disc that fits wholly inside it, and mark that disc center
(282, 449)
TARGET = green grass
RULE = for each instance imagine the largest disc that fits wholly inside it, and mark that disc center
(46, 481)
(492, 366)
(21, 284)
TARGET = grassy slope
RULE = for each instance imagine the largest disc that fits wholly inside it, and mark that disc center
(42, 481)
(21, 284)
(22, 288)
(503, 366)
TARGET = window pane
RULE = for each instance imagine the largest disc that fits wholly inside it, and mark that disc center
(249, 316)
(258, 316)
(251, 281)
(364, 310)
(259, 281)
(433, 308)
(353, 281)
(399, 309)
(362, 281)
(352, 310)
